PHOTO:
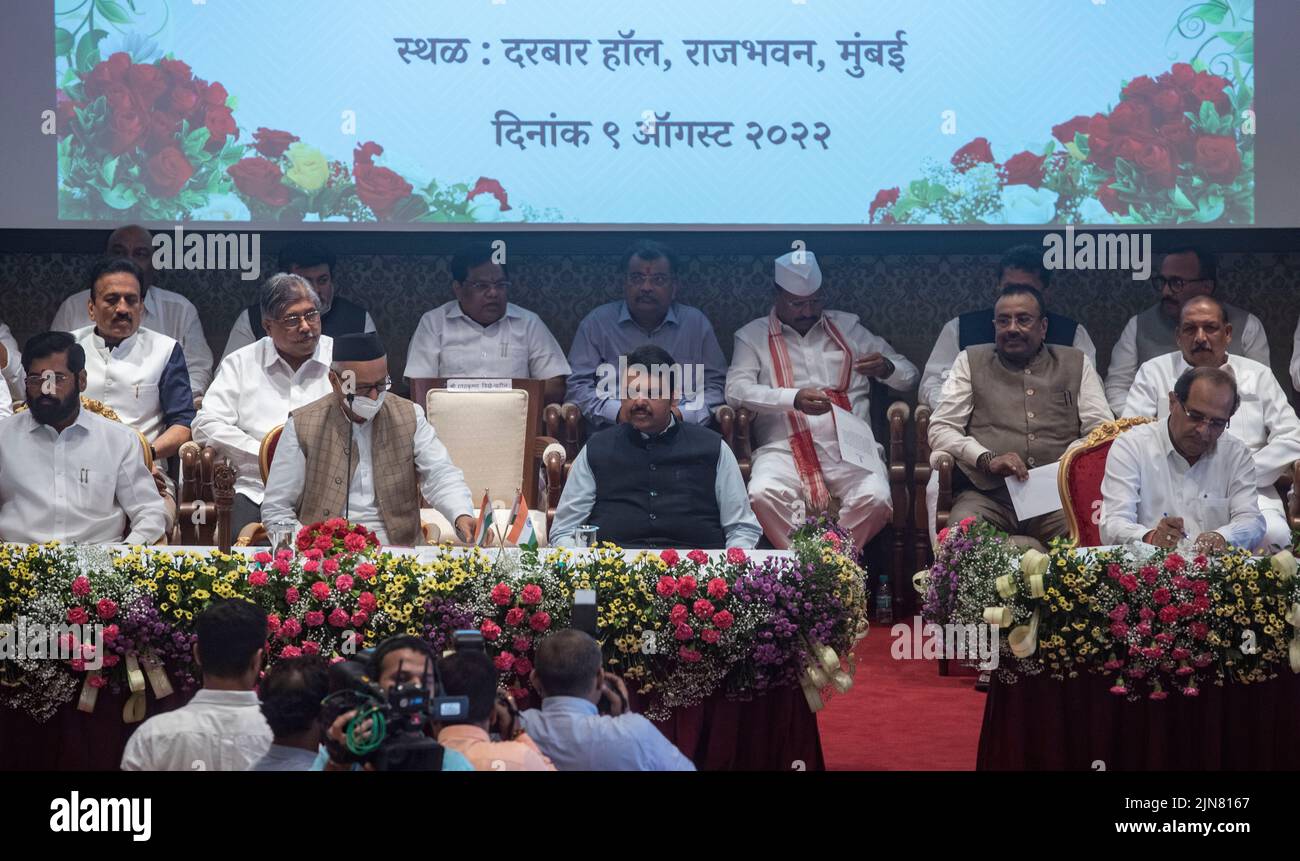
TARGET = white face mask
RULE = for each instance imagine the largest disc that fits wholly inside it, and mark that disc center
(366, 408)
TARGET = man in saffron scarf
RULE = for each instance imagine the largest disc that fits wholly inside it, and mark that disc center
(790, 369)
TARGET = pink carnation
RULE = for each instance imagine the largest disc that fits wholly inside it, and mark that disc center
(107, 609)
(282, 566)
(717, 588)
(291, 595)
(331, 566)
(669, 557)
(699, 557)
(515, 616)
(272, 622)
(1161, 596)
(310, 647)
(490, 630)
(367, 601)
(943, 535)
(315, 552)
(683, 632)
(1174, 562)
(504, 661)
(686, 586)
(359, 618)
(523, 666)
(97, 681)
(540, 621)
(736, 556)
(311, 566)
(291, 652)
(110, 633)
(257, 578)
(521, 644)
(690, 656)
(710, 635)
(284, 553)
(666, 586)
(339, 617)
(531, 594)
(261, 557)
(702, 608)
(78, 616)
(678, 614)
(723, 619)
(343, 583)
(320, 590)
(81, 586)
(502, 594)
(314, 619)
(354, 543)
(290, 628)
(365, 570)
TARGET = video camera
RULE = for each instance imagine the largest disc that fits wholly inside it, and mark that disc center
(399, 717)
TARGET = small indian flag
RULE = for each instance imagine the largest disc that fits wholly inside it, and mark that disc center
(483, 528)
(521, 532)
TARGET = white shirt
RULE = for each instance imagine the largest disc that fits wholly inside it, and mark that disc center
(948, 345)
(168, 313)
(950, 419)
(1124, 363)
(448, 343)
(815, 362)
(215, 731)
(1265, 421)
(1147, 479)
(80, 486)
(441, 481)
(254, 391)
(127, 377)
(13, 370)
(241, 334)
(1295, 358)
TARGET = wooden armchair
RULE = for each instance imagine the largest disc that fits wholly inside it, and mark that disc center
(1079, 478)
(207, 496)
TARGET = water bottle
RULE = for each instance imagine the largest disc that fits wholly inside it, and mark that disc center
(884, 602)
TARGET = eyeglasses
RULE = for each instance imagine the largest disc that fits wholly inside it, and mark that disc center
(368, 389)
(1176, 285)
(1215, 425)
(293, 321)
(484, 286)
(636, 279)
(35, 381)
(1021, 321)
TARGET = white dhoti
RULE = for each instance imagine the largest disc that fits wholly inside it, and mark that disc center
(1277, 531)
(776, 495)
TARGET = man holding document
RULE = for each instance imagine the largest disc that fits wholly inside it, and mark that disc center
(806, 375)
(1009, 411)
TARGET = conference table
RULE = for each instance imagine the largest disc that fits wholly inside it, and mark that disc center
(772, 731)
(1041, 723)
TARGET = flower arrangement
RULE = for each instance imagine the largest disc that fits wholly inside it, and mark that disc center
(142, 140)
(1156, 622)
(680, 626)
(1176, 148)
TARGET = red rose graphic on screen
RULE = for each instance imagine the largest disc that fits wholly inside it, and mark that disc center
(1217, 157)
(272, 143)
(260, 179)
(885, 198)
(1024, 168)
(167, 172)
(379, 188)
(490, 187)
(976, 152)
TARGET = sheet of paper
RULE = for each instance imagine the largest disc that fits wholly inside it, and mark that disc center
(468, 385)
(857, 444)
(1037, 494)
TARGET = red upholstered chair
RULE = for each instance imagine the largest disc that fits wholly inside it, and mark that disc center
(1079, 479)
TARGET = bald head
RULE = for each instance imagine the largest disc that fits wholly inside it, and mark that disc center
(136, 244)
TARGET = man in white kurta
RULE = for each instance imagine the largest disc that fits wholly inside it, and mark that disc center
(789, 368)
(1265, 420)
(1184, 477)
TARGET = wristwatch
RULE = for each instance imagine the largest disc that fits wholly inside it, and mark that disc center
(982, 464)
(153, 453)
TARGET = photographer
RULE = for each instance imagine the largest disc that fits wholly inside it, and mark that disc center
(569, 727)
(471, 674)
(291, 693)
(402, 660)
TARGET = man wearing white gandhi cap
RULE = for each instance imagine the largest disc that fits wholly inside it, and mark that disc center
(789, 368)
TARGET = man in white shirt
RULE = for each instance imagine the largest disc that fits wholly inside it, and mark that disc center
(790, 368)
(482, 334)
(1295, 358)
(1010, 407)
(315, 264)
(1184, 274)
(11, 366)
(363, 453)
(222, 727)
(165, 312)
(1022, 264)
(1184, 477)
(67, 474)
(140, 373)
(258, 385)
(1265, 420)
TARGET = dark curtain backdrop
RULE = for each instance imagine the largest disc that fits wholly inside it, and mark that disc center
(904, 286)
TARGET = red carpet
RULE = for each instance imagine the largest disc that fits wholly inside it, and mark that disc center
(901, 715)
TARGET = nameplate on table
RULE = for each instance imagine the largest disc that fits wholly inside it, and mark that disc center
(1037, 494)
(857, 443)
(470, 385)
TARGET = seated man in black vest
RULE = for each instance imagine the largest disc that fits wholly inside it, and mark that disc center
(1021, 265)
(655, 480)
(338, 316)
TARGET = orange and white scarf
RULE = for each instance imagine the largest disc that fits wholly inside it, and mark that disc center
(801, 441)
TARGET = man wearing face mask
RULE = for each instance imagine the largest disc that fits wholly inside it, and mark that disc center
(363, 453)
(1265, 420)
(67, 474)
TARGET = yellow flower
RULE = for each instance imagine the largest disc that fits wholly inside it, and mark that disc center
(308, 168)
